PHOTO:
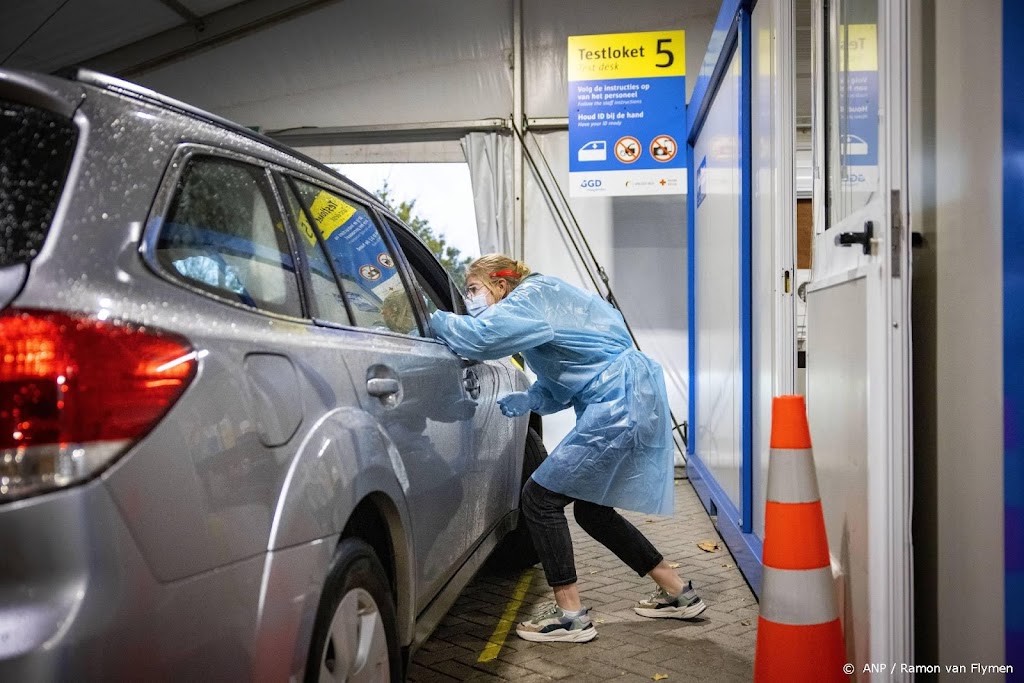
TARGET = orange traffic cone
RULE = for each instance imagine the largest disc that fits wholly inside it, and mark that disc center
(799, 636)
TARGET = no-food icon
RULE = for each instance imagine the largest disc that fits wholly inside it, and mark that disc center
(627, 149)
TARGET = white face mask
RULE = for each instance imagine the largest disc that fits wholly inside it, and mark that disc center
(475, 305)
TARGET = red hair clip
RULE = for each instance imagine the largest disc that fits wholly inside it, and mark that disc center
(505, 273)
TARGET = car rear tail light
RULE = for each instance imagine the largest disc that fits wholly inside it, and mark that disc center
(76, 392)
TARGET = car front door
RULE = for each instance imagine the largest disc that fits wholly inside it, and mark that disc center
(410, 384)
(490, 444)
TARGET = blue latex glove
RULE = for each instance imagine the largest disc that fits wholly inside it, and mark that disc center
(516, 404)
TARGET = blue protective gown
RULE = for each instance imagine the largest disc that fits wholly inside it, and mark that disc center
(619, 453)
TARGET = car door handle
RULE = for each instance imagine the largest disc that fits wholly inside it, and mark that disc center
(382, 386)
(472, 384)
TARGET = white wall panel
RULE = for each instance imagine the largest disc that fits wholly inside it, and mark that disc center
(773, 231)
(358, 62)
(964, 226)
(764, 165)
(547, 25)
(717, 277)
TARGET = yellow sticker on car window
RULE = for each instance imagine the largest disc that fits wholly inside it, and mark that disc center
(329, 212)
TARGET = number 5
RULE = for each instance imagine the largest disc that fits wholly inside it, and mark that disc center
(662, 51)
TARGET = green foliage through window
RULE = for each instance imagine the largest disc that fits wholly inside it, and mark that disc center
(449, 256)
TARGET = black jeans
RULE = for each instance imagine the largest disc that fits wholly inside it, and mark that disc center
(545, 518)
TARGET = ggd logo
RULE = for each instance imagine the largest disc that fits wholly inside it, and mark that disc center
(591, 183)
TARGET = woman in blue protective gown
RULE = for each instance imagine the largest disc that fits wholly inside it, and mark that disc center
(619, 454)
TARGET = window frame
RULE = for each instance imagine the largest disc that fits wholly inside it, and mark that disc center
(167, 192)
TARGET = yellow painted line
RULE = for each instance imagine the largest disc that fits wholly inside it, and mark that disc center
(508, 618)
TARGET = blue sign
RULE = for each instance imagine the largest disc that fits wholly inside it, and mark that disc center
(858, 109)
(627, 114)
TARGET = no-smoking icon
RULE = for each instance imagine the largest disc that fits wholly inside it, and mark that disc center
(627, 149)
(663, 148)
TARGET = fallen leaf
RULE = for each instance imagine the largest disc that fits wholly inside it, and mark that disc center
(674, 565)
(728, 565)
(593, 572)
(744, 623)
(601, 621)
(709, 546)
(649, 521)
(659, 677)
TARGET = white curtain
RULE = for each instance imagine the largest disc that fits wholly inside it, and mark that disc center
(489, 156)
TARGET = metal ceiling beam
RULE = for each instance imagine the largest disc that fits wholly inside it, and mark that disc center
(312, 136)
(217, 28)
(185, 13)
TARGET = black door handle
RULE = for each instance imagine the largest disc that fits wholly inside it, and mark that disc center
(471, 383)
(846, 239)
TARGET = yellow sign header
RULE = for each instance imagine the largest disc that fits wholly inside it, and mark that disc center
(860, 47)
(329, 212)
(627, 55)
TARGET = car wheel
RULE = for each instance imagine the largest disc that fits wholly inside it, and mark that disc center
(354, 636)
(516, 551)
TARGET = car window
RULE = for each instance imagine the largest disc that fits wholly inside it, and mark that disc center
(220, 235)
(431, 281)
(370, 279)
(36, 147)
(327, 301)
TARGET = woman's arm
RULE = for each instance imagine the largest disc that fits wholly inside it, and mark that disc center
(543, 400)
(509, 326)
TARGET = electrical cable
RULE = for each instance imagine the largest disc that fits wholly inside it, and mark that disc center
(682, 429)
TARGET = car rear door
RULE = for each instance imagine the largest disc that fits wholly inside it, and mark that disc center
(411, 385)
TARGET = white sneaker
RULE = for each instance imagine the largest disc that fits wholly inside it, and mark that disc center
(552, 625)
(661, 605)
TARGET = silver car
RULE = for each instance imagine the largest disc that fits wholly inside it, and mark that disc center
(229, 448)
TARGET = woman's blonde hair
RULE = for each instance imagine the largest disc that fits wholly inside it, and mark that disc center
(494, 267)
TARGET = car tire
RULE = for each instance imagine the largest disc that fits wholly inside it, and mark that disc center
(354, 635)
(516, 551)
